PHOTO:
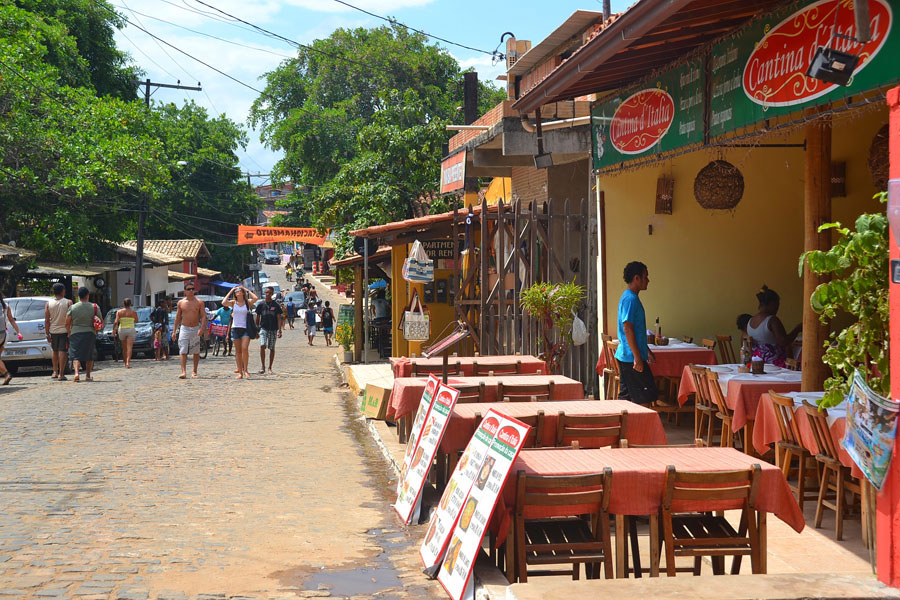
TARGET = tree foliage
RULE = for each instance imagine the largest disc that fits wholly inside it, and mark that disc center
(552, 305)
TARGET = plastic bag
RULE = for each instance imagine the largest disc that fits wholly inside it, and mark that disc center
(418, 267)
(579, 330)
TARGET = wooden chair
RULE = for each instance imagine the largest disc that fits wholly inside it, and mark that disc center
(704, 407)
(470, 392)
(726, 350)
(536, 435)
(790, 447)
(611, 371)
(524, 392)
(562, 540)
(513, 368)
(724, 414)
(583, 428)
(792, 364)
(698, 443)
(708, 344)
(827, 457)
(452, 369)
(699, 534)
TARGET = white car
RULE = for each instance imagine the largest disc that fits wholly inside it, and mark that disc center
(33, 349)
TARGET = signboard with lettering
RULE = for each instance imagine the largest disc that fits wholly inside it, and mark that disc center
(251, 234)
(436, 249)
(506, 437)
(761, 72)
(662, 114)
(453, 173)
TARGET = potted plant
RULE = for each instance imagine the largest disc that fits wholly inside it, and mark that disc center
(553, 307)
(344, 337)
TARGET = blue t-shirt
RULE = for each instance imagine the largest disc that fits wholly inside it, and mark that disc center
(632, 311)
(311, 317)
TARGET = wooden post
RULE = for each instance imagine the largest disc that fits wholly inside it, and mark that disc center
(816, 211)
(399, 300)
(358, 329)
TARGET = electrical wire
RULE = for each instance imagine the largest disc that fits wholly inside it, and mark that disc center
(21, 76)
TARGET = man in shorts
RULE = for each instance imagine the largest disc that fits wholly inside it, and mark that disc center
(270, 320)
(190, 322)
(311, 322)
(55, 325)
(636, 382)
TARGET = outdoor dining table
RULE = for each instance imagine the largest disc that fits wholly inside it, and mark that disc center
(637, 487)
(742, 392)
(643, 425)
(766, 431)
(402, 365)
(672, 358)
(407, 391)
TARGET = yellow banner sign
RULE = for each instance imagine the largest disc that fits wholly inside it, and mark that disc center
(249, 234)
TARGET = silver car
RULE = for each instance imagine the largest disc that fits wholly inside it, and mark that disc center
(33, 349)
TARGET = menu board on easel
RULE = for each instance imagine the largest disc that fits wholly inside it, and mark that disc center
(415, 471)
(411, 445)
(455, 574)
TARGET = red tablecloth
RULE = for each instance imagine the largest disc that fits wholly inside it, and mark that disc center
(766, 432)
(408, 390)
(402, 365)
(639, 476)
(671, 360)
(642, 427)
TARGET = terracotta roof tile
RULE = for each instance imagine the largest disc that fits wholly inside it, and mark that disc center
(184, 249)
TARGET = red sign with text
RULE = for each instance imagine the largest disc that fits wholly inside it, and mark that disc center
(641, 120)
(453, 173)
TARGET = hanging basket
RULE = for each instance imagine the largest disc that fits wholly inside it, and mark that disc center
(878, 159)
(719, 186)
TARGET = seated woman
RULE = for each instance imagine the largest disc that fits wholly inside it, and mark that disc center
(770, 340)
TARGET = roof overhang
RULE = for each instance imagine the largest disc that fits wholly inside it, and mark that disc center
(178, 276)
(45, 270)
(207, 272)
(646, 37)
(430, 227)
(576, 23)
(383, 254)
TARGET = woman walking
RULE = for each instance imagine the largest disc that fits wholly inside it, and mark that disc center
(80, 326)
(6, 319)
(240, 300)
(124, 328)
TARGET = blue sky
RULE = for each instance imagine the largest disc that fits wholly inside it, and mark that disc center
(468, 22)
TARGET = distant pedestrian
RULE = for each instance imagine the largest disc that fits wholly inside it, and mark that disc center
(311, 322)
(55, 325)
(327, 322)
(223, 316)
(240, 300)
(190, 324)
(159, 318)
(82, 335)
(290, 310)
(270, 318)
(6, 319)
(123, 326)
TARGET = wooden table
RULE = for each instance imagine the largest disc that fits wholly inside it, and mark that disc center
(402, 365)
(672, 358)
(643, 425)
(742, 392)
(637, 487)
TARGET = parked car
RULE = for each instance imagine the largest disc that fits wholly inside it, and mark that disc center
(143, 341)
(269, 256)
(33, 349)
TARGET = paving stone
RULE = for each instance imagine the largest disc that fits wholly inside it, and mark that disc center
(133, 594)
(51, 593)
(169, 595)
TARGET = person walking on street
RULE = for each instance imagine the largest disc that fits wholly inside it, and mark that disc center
(82, 335)
(327, 322)
(633, 354)
(123, 326)
(160, 319)
(240, 300)
(270, 319)
(290, 309)
(223, 315)
(55, 326)
(190, 323)
(311, 322)
(6, 319)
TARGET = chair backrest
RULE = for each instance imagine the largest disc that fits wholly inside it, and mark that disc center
(511, 368)
(726, 350)
(609, 351)
(470, 392)
(535, 435)
(590, 490)
(708, 344)
(818, 422)
(702, 397)
(715, 392)
(453, 368)
(688, 339)
(609, 429)
(698, 443)
(792, 364)
(682, 488)
(524, 392)
(784, 415)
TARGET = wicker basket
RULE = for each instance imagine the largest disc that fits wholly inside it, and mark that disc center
(878, 159)
(719, 186)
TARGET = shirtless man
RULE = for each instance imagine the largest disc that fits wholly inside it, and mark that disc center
(190, 324)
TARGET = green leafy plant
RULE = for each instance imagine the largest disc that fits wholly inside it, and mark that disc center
(344, 336)
(859, 265)
(552, 305)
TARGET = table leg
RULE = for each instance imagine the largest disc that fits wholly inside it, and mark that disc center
(748, 438)
(763, 541)
(654, 545)
(621, 547)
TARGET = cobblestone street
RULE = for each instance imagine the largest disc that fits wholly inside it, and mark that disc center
(140, 485)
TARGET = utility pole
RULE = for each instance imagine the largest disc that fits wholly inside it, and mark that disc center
(145, 199)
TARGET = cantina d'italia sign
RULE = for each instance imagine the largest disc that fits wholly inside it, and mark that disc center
(641, 121)
(775, 73)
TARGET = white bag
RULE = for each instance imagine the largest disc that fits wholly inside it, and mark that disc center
(579, 330)
(418, 267)
(416, 322)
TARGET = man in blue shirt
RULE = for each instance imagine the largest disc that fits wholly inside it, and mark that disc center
(636, 381)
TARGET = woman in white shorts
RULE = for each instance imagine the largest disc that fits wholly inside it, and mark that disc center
(124, 328)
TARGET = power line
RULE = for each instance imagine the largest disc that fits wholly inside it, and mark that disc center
(147, 56)
(19, 74)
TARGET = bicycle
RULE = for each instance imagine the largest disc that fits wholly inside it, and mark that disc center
(218, 332)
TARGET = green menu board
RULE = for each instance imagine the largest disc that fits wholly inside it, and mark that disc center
(760, 72)
(662, 114)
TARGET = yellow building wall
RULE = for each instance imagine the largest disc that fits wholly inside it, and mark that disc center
(706, 266)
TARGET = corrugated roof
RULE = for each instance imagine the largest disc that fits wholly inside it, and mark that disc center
(150, 256)
(420, 223)
(355, 259)
(577, 22)
(184, 249)
(7, 251)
